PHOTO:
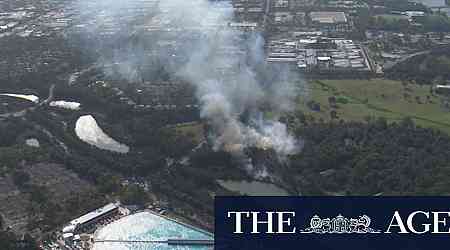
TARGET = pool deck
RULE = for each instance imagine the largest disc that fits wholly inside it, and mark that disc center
(168, 241)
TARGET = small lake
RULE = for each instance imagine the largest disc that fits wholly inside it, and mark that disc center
(253, 188)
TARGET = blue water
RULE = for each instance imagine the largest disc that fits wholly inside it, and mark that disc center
(147, 226)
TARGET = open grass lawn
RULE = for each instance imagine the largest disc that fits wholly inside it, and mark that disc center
(358, 99)
(194, 130)
(392, 17)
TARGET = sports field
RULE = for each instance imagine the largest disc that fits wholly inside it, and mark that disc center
(394, 100)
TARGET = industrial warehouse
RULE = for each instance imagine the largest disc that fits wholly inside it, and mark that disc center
(313, 53)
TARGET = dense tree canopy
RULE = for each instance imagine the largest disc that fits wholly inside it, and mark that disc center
(9, 241)
(373, 158)
(423, 68)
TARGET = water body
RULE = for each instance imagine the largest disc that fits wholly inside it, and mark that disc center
(88, 131)
(253, 188)
(148, 226)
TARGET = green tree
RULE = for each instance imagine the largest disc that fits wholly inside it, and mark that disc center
(133, 195)
(20, 178)
(108, 184)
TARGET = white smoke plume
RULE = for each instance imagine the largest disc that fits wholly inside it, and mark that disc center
(228, 69)
(225, 98)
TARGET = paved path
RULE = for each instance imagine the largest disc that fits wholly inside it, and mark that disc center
(168, 241)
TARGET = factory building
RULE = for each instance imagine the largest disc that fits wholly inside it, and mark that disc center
(327, 17)
(330, 21)
(249, 10)
(313, 53)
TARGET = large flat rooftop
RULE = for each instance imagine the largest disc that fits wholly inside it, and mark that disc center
(94, 214)
(328, 17)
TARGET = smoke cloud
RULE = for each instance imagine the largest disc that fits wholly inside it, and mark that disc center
(225, 98)
(227, 67)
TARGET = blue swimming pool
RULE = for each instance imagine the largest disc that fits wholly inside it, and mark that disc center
(148, 226)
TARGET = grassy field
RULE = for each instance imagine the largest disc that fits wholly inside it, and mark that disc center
(392, 17)
(358, 99)
(194, 130)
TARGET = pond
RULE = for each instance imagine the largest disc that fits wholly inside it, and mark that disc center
(254, 188)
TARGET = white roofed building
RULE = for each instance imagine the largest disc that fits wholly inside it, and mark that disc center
(330, 21)
(328, 17)
(86, 221)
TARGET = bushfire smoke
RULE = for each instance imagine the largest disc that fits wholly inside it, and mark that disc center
(225, 98)
(227, 67)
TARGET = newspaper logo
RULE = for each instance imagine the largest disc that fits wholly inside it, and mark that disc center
(339, 225)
